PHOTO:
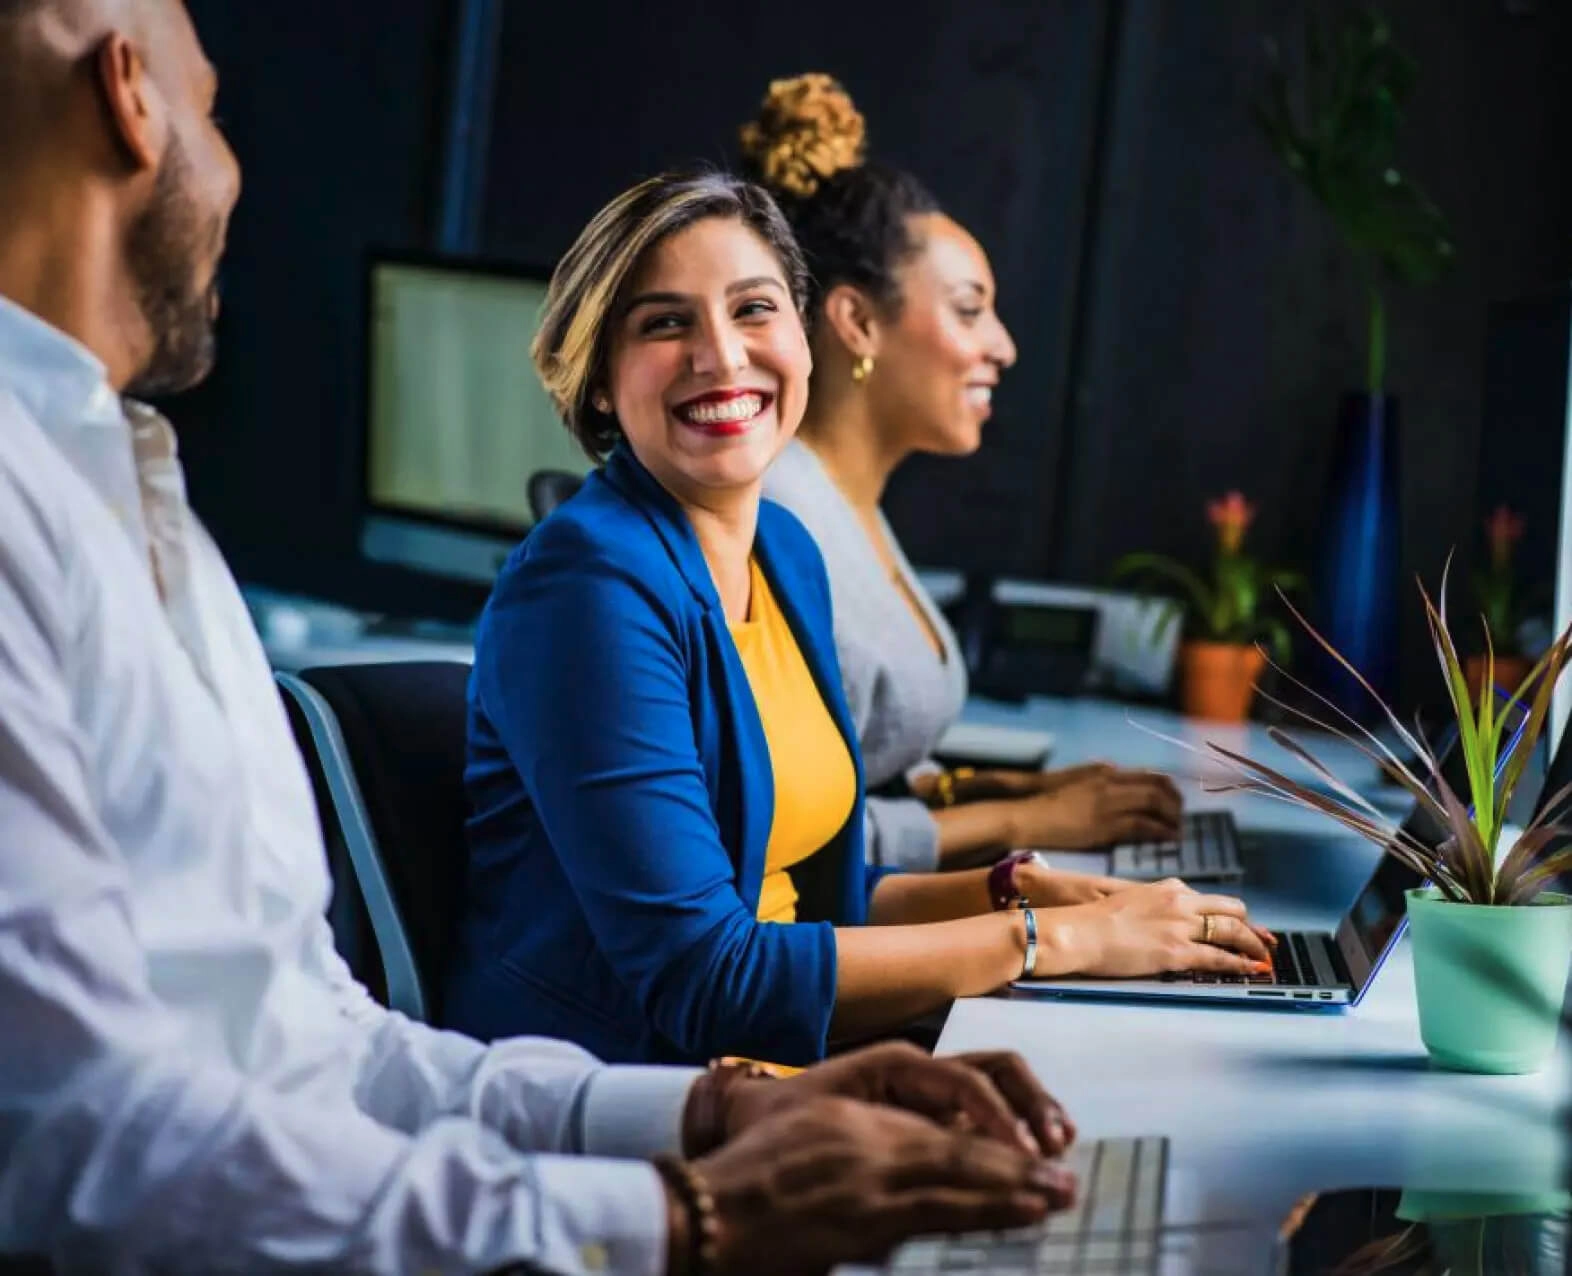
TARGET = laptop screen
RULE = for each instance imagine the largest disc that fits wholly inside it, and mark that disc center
(1558, 777)
(1381, 906)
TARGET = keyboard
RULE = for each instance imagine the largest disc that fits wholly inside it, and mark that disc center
(1208, 848)
(1114, 1227)
(1293, 965)
(1291, 961)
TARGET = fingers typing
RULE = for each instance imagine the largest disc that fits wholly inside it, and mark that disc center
(1050, 1127)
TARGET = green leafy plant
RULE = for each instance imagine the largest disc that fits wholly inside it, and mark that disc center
(1495, 585)
(1228, 608)
(1464, 864)
(1336, 131)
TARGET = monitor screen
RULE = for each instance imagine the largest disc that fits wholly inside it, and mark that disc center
(457, 420)
(1054, 627)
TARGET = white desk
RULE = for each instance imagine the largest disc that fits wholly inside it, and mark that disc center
(1264, 1106)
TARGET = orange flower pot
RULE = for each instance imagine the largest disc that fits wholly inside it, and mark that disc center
(1510, 672)
(1218, 679)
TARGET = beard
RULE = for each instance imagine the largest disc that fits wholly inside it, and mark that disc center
(164, 250)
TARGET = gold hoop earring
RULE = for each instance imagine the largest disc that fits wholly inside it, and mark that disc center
(862, 369)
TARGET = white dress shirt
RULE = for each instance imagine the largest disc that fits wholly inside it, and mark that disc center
(190, 1078)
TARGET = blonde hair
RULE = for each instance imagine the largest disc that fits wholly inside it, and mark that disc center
(855, 218)
(807, 130)
(572, 347)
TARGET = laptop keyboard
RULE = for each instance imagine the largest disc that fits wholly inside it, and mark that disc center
(1113, 1227)
(1207, 844)
(1292, 964)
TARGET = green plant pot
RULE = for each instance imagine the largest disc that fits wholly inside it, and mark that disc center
(1490, 980)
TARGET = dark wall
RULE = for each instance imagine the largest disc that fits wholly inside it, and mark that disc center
(1186, 317)
(335, 110)
(1226, 315)
(994, 104)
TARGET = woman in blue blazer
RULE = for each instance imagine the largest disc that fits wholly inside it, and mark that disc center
(624, 759)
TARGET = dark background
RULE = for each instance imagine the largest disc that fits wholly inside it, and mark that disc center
(1186, 315)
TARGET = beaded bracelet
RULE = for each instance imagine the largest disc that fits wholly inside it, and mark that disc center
(688, 1185)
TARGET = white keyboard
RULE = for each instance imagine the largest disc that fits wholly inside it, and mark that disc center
(1115, 1226)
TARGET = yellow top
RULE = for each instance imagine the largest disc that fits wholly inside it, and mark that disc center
(815, 781)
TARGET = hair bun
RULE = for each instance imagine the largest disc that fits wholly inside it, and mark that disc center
(807, 131)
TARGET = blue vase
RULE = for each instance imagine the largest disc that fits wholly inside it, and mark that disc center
(1356, 581)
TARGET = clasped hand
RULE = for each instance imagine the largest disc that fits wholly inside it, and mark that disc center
(846, 1160)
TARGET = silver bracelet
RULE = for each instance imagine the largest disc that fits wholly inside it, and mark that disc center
(1029, 966)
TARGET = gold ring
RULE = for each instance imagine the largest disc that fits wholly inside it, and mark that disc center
(1208, 924)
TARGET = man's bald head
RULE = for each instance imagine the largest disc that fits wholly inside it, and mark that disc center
(44, 45)
(115, 182)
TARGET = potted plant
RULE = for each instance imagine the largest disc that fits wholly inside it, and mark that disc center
(1495, 588)
(1334, 127)
(1492, 940)
(1220, 662)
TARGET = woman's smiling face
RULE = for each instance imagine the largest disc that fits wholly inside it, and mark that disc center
(709, 363)
(939, 362)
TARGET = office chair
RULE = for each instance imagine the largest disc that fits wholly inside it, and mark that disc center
(549, 489)
(388, 739)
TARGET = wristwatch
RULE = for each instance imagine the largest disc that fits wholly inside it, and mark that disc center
(1002, 892)
(944, 784)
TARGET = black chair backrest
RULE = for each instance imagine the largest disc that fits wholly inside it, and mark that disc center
(404, 727)
(548, 489)
(353, 934)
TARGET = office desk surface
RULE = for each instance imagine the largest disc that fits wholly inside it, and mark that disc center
(1264, 1106)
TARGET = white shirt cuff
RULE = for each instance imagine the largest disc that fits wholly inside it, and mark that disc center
(611, 1214)
(636, 1111)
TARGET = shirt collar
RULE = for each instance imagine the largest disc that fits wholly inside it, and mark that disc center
(60, 382)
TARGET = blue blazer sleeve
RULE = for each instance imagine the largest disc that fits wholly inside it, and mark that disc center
(586, 683)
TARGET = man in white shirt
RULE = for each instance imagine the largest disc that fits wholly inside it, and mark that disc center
(190, 1079)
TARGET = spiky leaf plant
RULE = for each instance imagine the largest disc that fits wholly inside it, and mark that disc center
(1464, 865)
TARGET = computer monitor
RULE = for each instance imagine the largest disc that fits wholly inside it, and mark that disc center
(456, 420)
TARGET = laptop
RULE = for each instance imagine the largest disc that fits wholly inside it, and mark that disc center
(1207, 850)
(1115, 1224)
(1311, 969)
(1557, 777)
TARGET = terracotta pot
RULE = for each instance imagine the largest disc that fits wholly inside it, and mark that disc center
(1510, 672)
(1218, 679)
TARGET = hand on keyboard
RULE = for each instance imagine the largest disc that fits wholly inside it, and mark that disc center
(1099, 806)
(1149, 929)
(990, 1092)
(836, 1181)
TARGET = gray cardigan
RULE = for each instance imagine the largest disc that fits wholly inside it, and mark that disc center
(902, 696)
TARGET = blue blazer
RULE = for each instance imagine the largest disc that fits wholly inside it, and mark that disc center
(621, 797)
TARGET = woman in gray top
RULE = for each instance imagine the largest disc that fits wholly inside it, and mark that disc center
(907, 349)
